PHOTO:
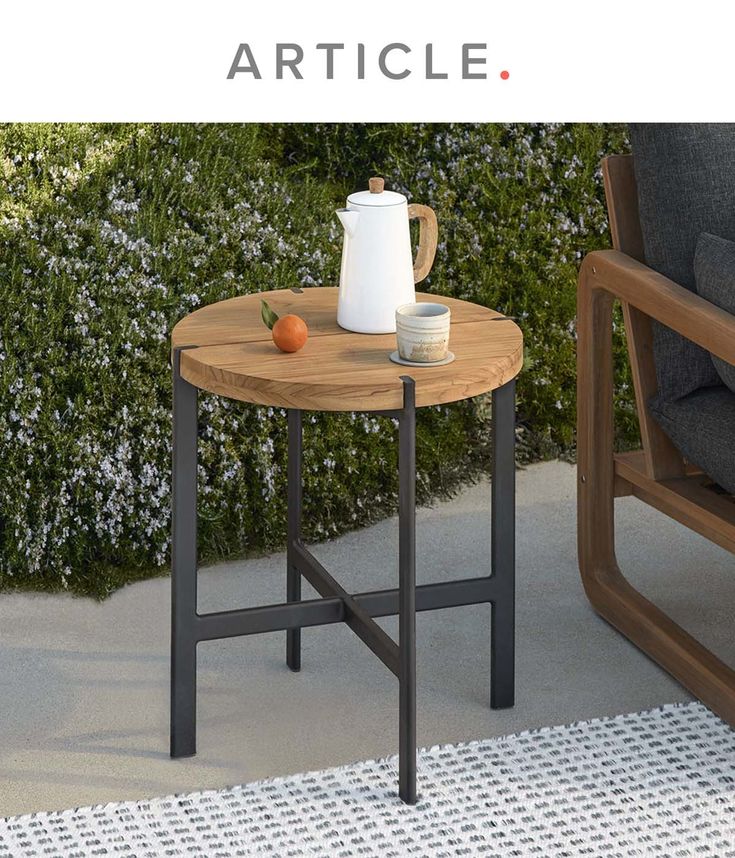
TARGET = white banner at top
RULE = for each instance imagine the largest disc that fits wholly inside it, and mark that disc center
(376, 61)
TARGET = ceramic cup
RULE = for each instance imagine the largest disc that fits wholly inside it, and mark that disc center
(422, 331)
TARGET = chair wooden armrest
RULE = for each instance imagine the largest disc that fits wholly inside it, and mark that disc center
(657, 475)
(660, 298)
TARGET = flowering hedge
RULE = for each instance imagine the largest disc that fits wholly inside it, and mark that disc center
(110, 234)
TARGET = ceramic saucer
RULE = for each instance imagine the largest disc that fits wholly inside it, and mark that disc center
(396, 358)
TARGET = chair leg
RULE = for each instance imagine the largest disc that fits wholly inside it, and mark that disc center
(692, 664)
(293, 576)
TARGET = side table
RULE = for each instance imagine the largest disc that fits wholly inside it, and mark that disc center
(225, 349)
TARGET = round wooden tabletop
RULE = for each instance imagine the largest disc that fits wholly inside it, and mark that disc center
(338, 370)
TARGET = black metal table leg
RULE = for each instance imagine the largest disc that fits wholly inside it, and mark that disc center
(502, 659)
(407, 593)
(336, 604)
(293, 576)
(183, 565)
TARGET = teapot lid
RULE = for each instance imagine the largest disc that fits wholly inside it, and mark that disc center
(375, 195)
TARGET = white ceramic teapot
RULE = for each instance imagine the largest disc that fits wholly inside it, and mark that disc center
(378, 271)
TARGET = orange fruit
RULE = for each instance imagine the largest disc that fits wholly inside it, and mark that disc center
(290, 333)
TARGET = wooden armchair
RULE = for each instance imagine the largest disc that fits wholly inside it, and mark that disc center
(657, 474)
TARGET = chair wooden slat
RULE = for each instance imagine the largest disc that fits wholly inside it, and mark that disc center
(662, 459)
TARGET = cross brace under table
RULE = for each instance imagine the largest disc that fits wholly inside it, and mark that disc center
(336, 605)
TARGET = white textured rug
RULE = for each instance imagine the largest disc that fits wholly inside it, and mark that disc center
(652, 783)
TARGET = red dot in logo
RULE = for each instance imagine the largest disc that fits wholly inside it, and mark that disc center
(504, 75)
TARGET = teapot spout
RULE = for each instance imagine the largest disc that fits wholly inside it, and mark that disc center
(348, 218)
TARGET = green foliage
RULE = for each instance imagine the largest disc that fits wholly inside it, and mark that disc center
(110, 234)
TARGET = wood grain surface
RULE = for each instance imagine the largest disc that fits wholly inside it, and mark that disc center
(338, 370)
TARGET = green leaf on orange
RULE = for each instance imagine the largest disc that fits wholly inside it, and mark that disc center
(267, 315)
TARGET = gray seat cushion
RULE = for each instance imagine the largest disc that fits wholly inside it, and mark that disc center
(686, 185)
(702, 426)
(714, 269)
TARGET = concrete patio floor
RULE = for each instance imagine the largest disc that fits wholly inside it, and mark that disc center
(84, 686)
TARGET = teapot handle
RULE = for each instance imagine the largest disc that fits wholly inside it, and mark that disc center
(428, 236)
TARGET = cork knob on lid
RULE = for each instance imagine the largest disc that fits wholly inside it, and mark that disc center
(376, 185)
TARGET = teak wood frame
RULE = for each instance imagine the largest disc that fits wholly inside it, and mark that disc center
(657, 474)
(336, 605)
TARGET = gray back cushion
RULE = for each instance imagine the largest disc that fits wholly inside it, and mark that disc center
(714, 270)
(686, 185)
